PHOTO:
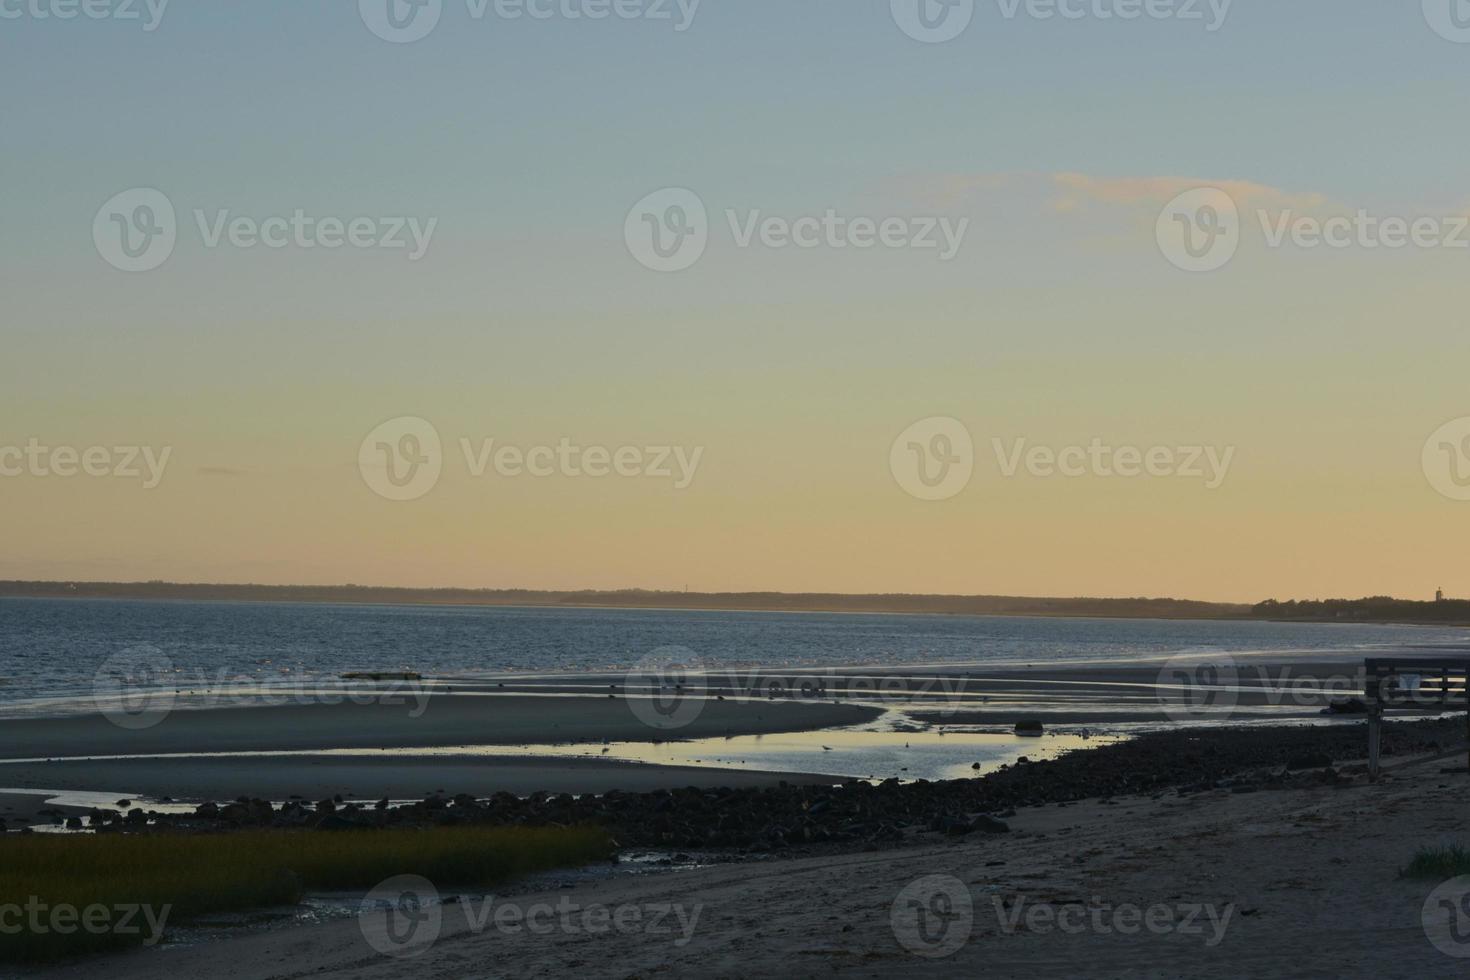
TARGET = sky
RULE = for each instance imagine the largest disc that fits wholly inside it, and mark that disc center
(1057, 322)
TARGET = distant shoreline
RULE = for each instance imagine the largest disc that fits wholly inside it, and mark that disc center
(1378, 611)
(880, 604)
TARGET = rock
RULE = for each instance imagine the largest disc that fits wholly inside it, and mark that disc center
(989, 825)
(1029, 727)
(954, 827)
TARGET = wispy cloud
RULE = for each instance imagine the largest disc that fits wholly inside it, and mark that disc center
(1077, 190)
(1070, 192)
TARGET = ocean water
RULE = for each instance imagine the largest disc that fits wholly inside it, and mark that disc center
(53, 648)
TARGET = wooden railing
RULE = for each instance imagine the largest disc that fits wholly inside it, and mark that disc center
(1426, 684)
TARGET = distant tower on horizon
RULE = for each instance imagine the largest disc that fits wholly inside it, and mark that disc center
(1439, 595)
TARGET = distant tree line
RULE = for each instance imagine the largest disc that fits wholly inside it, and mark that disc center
(1374, 609)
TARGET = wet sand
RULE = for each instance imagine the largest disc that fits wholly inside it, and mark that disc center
(364, 778)
(525, 710)
(443, 720)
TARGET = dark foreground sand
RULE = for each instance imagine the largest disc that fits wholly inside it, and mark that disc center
(1301, 883)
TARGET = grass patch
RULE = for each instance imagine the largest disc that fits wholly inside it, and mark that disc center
(202, 874)
(1449, 861)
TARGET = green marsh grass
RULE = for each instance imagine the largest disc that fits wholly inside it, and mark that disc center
(209, 873)
(1447, 861)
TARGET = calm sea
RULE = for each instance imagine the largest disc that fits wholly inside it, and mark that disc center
(53, 647)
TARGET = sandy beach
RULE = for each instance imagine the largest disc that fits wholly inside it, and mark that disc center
(1298, 882)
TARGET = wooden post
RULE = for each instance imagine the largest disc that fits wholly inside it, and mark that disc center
(1375, 735)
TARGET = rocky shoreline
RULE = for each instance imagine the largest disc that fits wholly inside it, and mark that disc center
(855, 815)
